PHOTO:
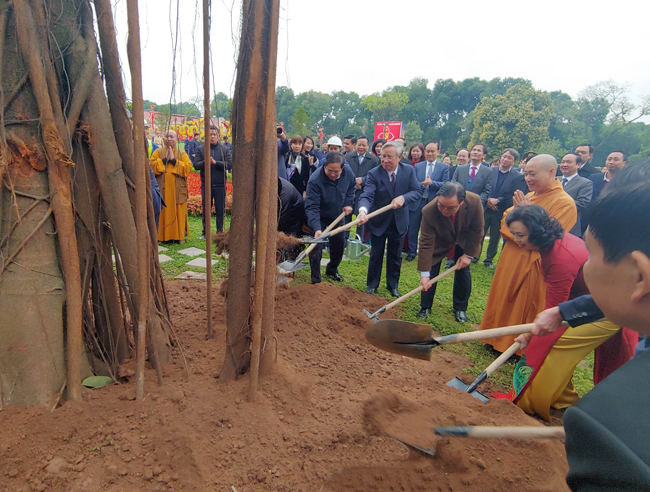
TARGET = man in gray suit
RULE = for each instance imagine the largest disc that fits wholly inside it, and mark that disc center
(361, 161)
(476, 178)
(579, 188)
(431, 174)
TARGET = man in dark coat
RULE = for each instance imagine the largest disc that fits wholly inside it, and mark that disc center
(473, 176)
(291, 209)
(192, 147)
(392, 183)
(361, 161)
(221, 161)
(505, 181)
(330, 191)
(452, 225)
(586, 153)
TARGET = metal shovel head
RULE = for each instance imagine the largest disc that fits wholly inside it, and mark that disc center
(289, 266)
(459, 384)
(402, 338)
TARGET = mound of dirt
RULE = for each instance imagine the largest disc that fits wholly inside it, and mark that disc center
(306, 432)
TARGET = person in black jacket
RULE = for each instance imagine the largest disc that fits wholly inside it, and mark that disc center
(330, 191)
(221, 163)
(300, 166)
(291, 209)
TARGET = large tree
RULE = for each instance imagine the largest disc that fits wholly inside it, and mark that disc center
(67, 198)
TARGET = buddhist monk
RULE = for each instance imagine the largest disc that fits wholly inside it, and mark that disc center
(171, 167)
(518, 290)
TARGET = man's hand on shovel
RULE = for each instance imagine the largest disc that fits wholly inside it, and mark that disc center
(398, 202)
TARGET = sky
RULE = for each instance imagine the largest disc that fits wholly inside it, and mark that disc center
(368, 46)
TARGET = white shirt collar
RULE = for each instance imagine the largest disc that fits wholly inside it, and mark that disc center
(569, 178)
(391, 172)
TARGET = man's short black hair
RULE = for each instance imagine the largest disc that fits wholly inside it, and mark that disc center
(591, 147)
(620, 152)
(452, 188)
(351, 138)
(619, 218)
(433, 142)
(362, 137)
(334, 158)
(577, 156)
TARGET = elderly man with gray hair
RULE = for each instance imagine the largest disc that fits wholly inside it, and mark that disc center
(391, 183)
(505, 181)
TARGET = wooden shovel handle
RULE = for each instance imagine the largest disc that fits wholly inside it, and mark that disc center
(483, 334)
(502, 358)
(419, 289)
(490, 432)
(329, 228)
(356, 221)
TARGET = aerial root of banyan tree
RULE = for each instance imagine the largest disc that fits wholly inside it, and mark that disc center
(68, 266)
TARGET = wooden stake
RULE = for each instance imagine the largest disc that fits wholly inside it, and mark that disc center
(139, 157)
(207, 209)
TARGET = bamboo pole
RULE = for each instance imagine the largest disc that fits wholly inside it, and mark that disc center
(139, 157)
(207, 209)
(59, 177)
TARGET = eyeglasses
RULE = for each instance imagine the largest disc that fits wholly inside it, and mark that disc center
(441, 207)
(332, 172)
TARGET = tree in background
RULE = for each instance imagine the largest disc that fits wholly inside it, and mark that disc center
(386, 106)
(299, 122)
(519, 119)
(413, 134)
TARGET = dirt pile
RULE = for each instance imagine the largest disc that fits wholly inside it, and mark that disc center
(306, 432)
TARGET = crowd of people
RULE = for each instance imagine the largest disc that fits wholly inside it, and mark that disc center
(419, 204)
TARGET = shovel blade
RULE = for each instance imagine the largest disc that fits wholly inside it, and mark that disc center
(289, 266)
(460, 385)
(402, 338)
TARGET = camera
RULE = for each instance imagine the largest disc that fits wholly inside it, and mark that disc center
(280, 130)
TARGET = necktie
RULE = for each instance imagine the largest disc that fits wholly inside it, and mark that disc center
(564, 182)
(472, 173)
(452, 251)
(392, 180)
(361, 157)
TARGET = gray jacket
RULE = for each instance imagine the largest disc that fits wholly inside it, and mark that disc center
(581, 190)
(482, 183)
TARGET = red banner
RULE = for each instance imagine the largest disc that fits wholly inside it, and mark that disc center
(389, 131)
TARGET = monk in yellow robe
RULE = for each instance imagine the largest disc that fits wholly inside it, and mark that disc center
(171, 167)
(518, 289)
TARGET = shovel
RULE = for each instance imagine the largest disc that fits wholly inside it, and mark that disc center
(417, 341)
(375, 316)
(486, 432)
(295, 265)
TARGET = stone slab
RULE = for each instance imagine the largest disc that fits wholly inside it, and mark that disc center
(161, 248)
(200, 262)
(192, 251)
(164, 258)
(189, 275)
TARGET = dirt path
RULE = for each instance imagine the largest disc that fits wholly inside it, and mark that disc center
(306, 433)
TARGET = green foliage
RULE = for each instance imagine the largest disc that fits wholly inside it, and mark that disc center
(386, 106)
(221, 106)
(413, 133)
(519, 119)
(300, 122)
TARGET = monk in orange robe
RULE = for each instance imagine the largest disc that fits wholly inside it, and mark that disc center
(518, 289)
(171, 167)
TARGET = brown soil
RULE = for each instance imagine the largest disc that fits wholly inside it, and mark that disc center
(305, 433)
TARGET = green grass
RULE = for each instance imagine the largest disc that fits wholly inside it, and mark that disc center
(442, 315)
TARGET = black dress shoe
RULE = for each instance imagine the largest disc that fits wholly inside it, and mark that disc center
(315, 280)
(335, 276)
(461, 316)
(410, 257)
(424, 313)
(370, 290)
(394, 293)
(474, 260)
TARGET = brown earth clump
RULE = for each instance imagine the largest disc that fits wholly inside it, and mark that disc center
(306, 432)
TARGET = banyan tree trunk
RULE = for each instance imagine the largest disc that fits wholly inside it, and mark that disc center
(66, 207)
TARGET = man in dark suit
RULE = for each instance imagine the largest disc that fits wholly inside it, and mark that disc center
(452, 224)
(392, 183)
(432, 174)
(578, 188)
(474, 177)
(330, 191)
(586, 153)
(361, 161)
(506, 180)
(616, 161)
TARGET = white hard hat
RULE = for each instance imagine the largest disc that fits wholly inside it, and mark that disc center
(335, 141)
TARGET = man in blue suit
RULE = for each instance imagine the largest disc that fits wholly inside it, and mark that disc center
(505, 181)
(392, 183)
(616, 161)
(432, 174)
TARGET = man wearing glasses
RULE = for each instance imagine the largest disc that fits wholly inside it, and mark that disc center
(452, 227)
(396, 184)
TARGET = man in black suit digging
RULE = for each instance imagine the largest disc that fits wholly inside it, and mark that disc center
(391, 183)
